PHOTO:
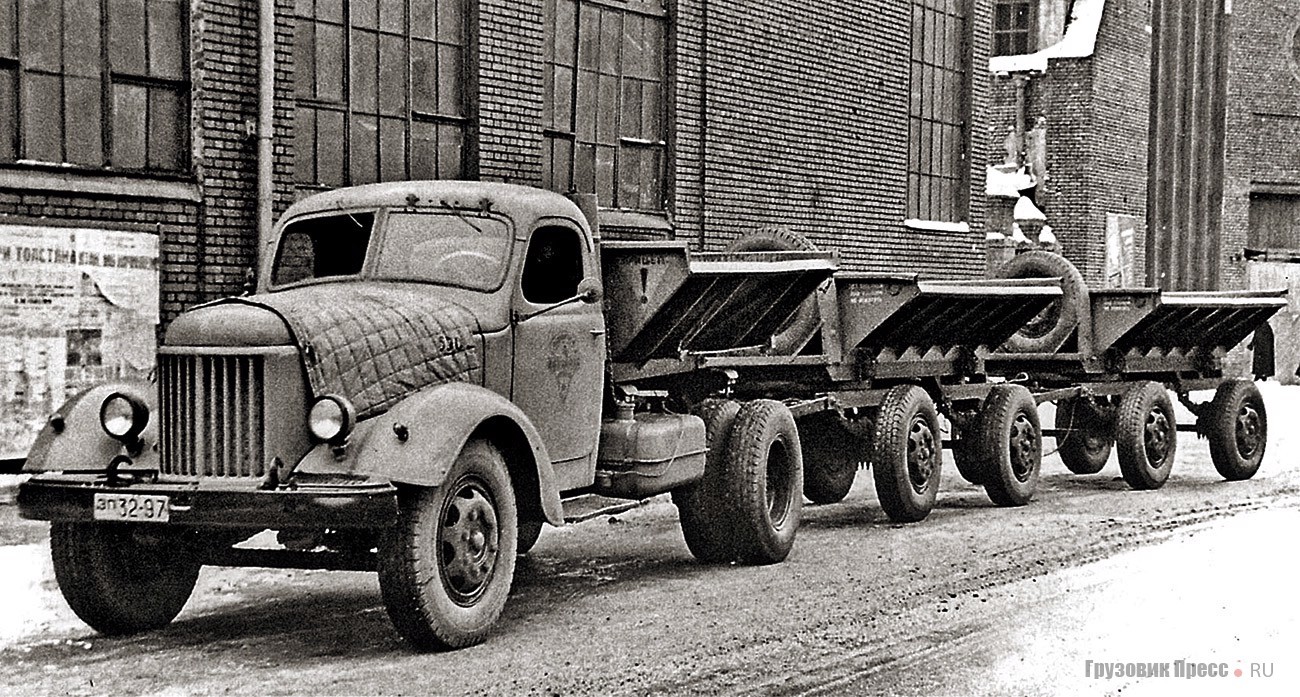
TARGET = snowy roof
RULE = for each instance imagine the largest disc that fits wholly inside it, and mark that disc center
(1080, 41)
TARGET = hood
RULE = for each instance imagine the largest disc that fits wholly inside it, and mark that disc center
(373, 343)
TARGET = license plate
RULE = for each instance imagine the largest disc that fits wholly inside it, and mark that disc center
(140, 508)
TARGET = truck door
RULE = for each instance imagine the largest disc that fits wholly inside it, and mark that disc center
(559, 359)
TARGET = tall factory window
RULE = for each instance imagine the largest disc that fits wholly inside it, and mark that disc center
(1011, 27)
(604, 109)
(938, 179)
(380, 91)
(95, 83)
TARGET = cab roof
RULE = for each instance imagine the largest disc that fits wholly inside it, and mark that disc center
(521, 203)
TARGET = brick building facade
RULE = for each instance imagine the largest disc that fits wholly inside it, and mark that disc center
(851, 122)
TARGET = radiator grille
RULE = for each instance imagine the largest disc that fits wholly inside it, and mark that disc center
(212, 415)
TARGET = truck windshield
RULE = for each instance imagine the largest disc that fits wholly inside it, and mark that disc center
(458, 248)
(331, 245)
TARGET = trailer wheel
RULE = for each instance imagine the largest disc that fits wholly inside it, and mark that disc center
(1010, 445)
(445, 568)
(701, 506)
(806, 321)
(1237, 429)
(1046, 332)
(1085, 449)
(831, 454)
(122, 578)
(1146, 435)
(908, 454)
(764, 477)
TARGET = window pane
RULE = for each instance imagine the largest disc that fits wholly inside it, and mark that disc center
(41, 22)
(363, 71)
(329, 63)
(630, 119)
(130, 119)
(330, 11)
(565, 30)
(562, 99)
(126, 36)
(451, 21)
(304, 59)
(607, 110)
(651, 179)
(8, 115)
(166, 40)
(652, 111)
(629, 177)
(364, 14)
(605, 175)
(84, 113)
(449, 83)
(304, 146)
(167, 127)
(82, 25)
(424, 77)
(392, 75)
(424, 150)
(392, 15)
(329, 147)
(451, 149)
(392, 149)
(363, 155)
(9, 28)
(587, 106)
(584, 169)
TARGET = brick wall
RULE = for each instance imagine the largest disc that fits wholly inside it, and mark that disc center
(798, 117)
(509, 94)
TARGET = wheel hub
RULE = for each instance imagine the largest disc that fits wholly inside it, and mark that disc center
(468, 541)
(920, 454)
(1024, 443)
(1250, 431)
(1156, 435)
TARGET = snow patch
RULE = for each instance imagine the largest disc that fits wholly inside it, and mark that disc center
(1080, 41)
(1006, 184)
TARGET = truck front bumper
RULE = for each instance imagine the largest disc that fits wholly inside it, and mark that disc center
(362, 503)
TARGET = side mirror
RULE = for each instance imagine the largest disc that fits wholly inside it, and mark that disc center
(589, 291)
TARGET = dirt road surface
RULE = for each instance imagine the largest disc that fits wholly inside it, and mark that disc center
(975, 600)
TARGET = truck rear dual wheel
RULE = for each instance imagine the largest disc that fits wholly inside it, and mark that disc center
(701, 507)
(446, 567)
(1146, 435)
(121, 578)
(831, 454)
(1237, 429)
(1009, 445)
(1086, 446)
(907, 454)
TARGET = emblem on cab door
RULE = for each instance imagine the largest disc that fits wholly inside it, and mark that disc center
(563, 362)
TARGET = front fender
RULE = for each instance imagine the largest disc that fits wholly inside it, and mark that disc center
(437, 421)
(73, 439)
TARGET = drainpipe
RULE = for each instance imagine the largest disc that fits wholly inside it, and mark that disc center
(265, 125)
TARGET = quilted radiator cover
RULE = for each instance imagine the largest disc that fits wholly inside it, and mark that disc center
(376, 344)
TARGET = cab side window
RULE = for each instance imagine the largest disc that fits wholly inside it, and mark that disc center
(553, 266)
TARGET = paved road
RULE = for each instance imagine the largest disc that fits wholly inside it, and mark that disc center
(975, 600)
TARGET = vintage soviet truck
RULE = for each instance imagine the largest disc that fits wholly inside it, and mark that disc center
(426, 368)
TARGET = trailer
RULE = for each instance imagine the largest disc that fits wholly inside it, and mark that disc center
(1120, 353)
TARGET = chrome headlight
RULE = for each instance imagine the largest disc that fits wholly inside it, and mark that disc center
(331, 419)
(123, 416)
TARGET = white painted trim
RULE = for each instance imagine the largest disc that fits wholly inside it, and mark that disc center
(936, 226)
(126, 187)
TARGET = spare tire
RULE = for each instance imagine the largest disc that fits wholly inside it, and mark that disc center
(1048, 331)
(795, 334)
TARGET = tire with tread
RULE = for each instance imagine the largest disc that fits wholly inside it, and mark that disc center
(764, 478)
(701, 506)
(446, 567)
(122, 578)
(806, 322)
(1049, 330)
(1086, 448)
(1237, 429)
(907, 457)
(1010, 445)
(831, 454)
(1146, 435)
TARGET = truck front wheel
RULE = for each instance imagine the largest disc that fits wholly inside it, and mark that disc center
(123, 578)
(764, 479)
(446, 567)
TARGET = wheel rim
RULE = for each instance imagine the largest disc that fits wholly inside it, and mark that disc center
(1250, 431)
(1156, 436)
(779, 486)
(1024, 443)
(468, 541)
(920, 454)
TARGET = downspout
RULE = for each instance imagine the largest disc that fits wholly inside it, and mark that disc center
(265, 125)
(704, 121)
